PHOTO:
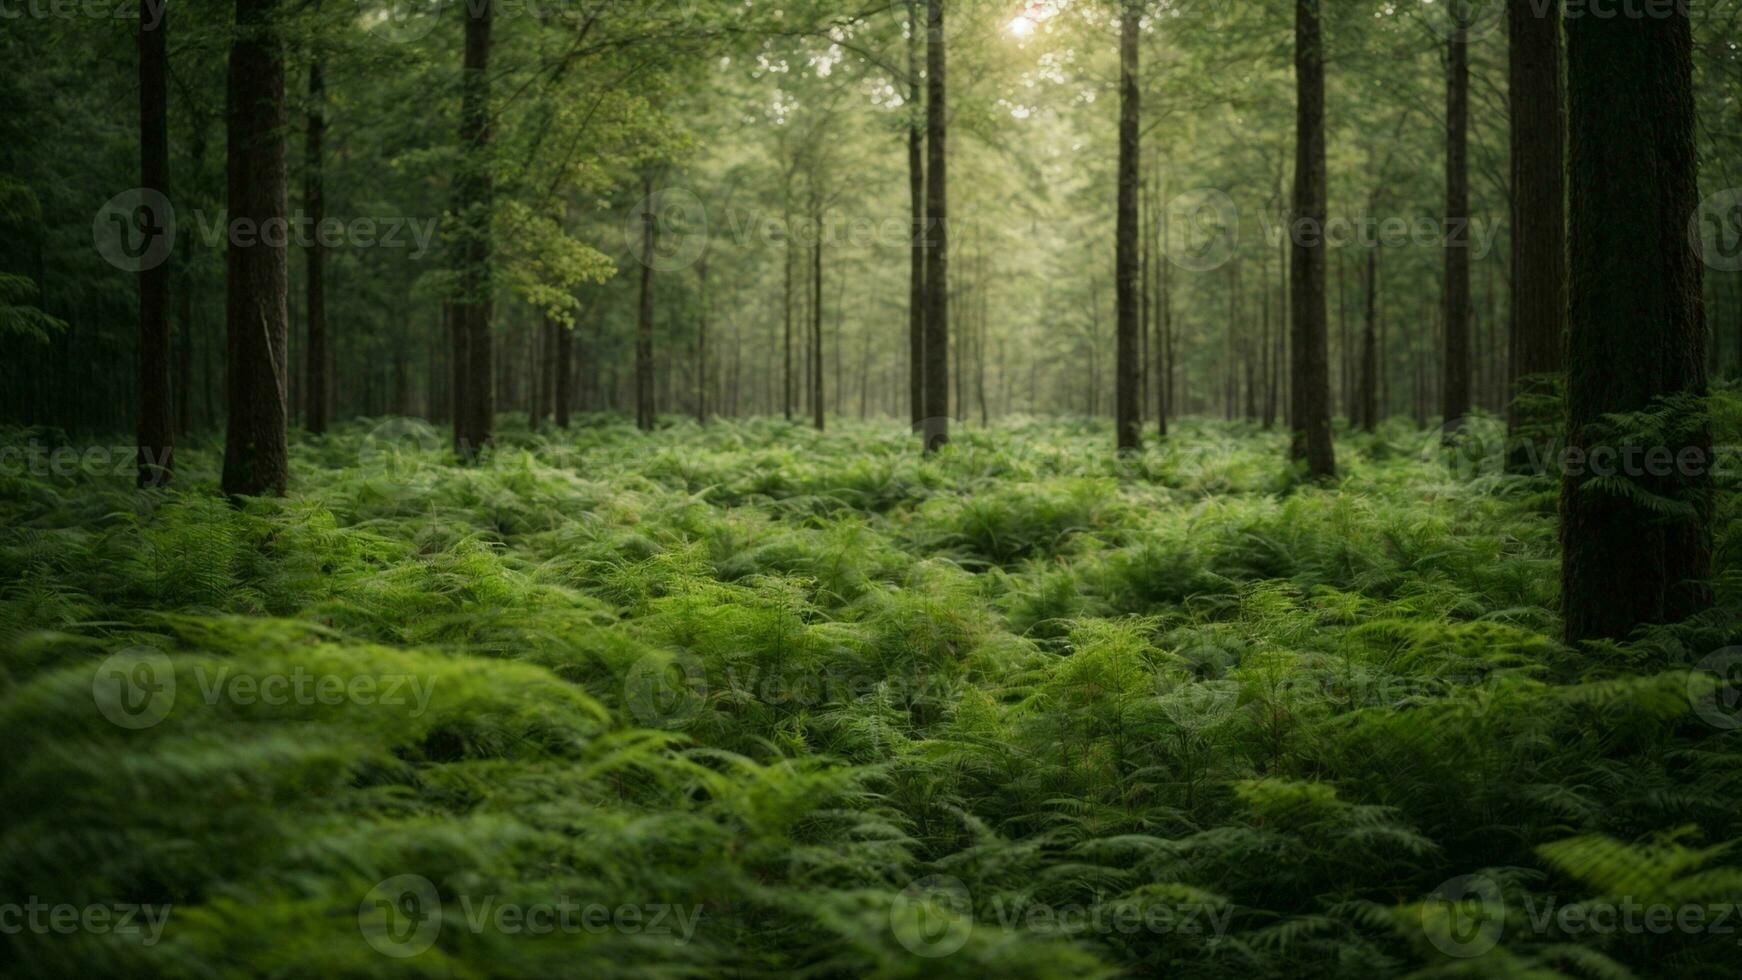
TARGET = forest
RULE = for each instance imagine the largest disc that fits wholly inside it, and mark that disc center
(870, 488)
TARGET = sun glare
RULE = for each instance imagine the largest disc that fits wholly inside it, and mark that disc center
(1022, 26)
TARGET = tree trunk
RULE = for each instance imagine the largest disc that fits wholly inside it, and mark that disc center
(1638, 326)
(256, 450)
(156, 450)
(1368, 409)
(1311, 416)
(473, 308)
(1128, 378)
(916, 302)
(937, 282)
(1455, 393)
(317, 397)
(786, 391)
(645, 415)
(818, 410)
(1539, 216)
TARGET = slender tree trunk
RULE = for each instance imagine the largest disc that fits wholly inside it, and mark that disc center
(786, 393)
(565, 373)
(1166, 406)
(256, 446)
(818, 409)
(1369, 399)
(156, 451)
(1536, 61)
(1128, 371)
(645, 414)
(1455, 391)
(916, 301)
(1310, 392)
(1638, 327)
(473, 308)
(318, 398)
(937, 281)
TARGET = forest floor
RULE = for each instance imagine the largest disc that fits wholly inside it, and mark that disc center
(758, 701)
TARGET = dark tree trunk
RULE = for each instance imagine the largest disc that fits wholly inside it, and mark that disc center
(786, 389)
(1368, 408)
(645, 414)
(318, 396)
(473, 309)
(1539, 215)
(818, 411)
(1455, 393)
(1310, 391)
(256, 451)
(565, 373)
(916, 337)
(156, 450)
(1128, 379)
(1638, 324)
(937, 280)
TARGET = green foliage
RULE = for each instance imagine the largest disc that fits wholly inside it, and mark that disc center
(788, 682)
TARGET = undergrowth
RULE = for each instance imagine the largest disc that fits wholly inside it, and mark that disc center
(1018, 710)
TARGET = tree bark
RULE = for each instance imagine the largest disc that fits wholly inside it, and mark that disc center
(473, 308)
(818, 405)
(916, 302)
(1638, 324)
(1310, 391)
(937, 311)
(1455, 391)
(156, 451)
(256, 445)
(1369, 398)
(1128, 378)
(318, 396)
(645, 414)
(1536, 60)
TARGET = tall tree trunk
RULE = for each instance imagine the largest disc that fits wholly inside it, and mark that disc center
(1368, 408)
(818, 410)
(702, 348)
(318, 396)
(916, 301)
(1455, 391)
(156, 451)
(1128, 377)
(473, 308)
(1539, 217)
(645, 415)
(937, 280)
(1310, 391)
(1638, 325)
(1166, 405)
(565, 373)
(256, 445)
(786, 391)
